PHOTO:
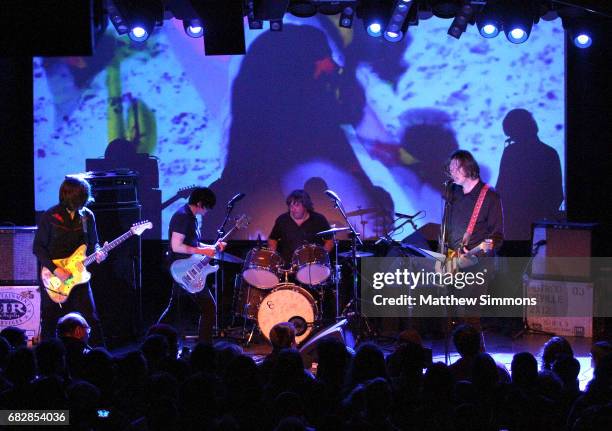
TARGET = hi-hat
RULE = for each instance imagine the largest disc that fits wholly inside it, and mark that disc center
(226, 257)
(361, 211)
(333, 230)
(358, 254)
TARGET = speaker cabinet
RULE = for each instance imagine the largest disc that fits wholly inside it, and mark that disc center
(340, 331)
(18, 264)
(553, 241)
(116, 282)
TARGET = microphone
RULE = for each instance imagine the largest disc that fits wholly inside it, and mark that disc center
(332, 195)
(235, 199)
(409, 217)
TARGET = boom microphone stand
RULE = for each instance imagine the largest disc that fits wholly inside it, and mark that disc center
(220, 276)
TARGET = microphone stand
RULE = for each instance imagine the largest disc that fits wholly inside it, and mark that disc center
(443, 246)
(220, 276)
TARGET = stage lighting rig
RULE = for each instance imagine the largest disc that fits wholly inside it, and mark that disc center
(136, 18)
(519, 18)
(464, 16)
(401, 17)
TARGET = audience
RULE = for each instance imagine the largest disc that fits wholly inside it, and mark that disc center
(218, 387)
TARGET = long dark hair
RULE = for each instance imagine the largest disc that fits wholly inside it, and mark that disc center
(466, 161)
(75, 193)
(300, 196)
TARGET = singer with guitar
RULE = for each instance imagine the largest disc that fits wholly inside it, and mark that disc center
(184, 238)
(473, 220)
(61, 230)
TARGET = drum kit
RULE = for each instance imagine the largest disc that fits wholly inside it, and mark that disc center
(266, 293)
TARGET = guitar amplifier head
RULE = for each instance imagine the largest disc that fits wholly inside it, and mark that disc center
(18, 264)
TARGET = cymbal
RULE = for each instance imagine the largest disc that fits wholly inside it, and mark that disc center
(362, 211)
(229, 258)
(358, 253)
(333, 230)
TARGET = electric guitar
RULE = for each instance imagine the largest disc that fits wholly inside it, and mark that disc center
(77, 262)
(190, 273)
(453, 261)
(183, 193)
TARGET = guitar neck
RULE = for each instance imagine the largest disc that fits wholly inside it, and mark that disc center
(108, 247)
(170, 201)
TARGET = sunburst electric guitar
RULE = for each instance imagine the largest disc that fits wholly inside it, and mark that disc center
(191, 272)
(77, 262)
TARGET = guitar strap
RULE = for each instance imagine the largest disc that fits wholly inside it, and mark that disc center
(475, 213)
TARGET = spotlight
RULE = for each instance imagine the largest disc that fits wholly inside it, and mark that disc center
(517, 35)
(489, 21)
(137, 19)
(276, 25)
(393, 36)
(139, 33)
(375, 29)
(346, 17)
(461, 20)
(582, 40)
(518, 20)
(375, 16)
(254, 23)
(193, 28)
(398, 24)
(302, 8)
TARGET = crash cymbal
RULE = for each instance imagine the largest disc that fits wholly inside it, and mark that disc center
(361, 211)
(229, 258)
(333, 230)
(349, 254)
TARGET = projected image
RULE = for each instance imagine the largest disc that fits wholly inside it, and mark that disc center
(313, 107)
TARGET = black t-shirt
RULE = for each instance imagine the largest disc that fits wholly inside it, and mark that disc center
(490, 221)
(58, 235)
(184, 222)
(290, 236)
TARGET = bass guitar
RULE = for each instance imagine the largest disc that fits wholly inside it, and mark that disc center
(77, 262)
(191, 273)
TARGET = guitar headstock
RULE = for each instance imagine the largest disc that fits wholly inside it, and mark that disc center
(184, 192)
(141, 226)
(242, 221)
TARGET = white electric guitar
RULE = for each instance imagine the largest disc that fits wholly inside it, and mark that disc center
(191, 272)
(77, 262)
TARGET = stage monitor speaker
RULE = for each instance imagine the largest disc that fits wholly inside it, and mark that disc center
(562, 240)
(116, 282)
(339, 331)
(18, 264)
(20, 307)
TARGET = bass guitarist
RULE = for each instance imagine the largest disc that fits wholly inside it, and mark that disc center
(61, 230)
(473, 220)
(184, 241)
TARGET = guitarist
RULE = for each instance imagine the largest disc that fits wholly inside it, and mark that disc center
(184, 241)
(474, 218)
(61, 230)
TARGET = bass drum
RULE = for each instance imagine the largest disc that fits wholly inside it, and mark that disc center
(288, 303)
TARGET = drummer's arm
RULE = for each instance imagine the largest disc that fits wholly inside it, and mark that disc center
(272, 244)
(328, 245)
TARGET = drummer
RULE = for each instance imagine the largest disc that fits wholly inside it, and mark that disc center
(298, 227)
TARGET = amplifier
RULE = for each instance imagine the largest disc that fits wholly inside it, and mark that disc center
(562, 250)
(17, 262)
(112, 187)
(20, 307)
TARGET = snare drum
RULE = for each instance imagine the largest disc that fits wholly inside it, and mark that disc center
(287, 303)
(261, 268)
(311, 263)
